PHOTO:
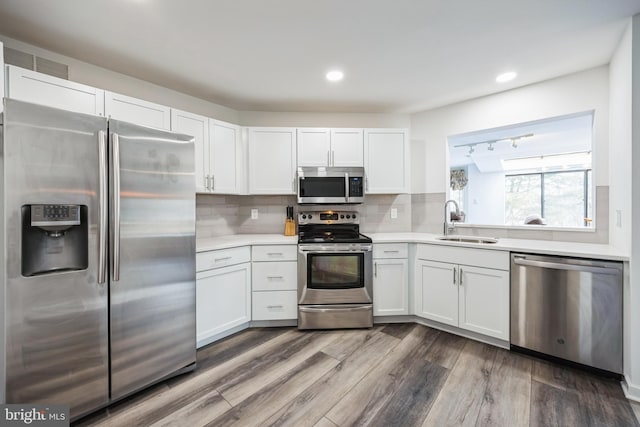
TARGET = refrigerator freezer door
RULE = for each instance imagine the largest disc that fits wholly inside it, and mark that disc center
(56, 330)
(153, 234)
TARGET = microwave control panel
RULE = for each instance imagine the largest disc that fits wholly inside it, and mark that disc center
(356, 186)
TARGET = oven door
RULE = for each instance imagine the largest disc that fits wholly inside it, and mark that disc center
(335, 274)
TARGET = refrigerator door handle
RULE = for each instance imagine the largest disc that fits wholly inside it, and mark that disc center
(115, 145)
(102, 207)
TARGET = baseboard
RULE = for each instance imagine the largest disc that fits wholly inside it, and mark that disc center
(273, 323)
(219, 336)
(631, 391)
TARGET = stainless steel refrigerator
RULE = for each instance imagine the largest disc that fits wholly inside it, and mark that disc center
(98, 257)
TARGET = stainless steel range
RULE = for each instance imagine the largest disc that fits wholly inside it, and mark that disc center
(335, 271)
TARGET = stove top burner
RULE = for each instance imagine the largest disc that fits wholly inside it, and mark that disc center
(330, 227)
(359, 238)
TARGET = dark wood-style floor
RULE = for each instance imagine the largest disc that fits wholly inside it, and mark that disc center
(391, 375)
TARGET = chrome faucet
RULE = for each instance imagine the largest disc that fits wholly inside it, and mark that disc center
(448, 225)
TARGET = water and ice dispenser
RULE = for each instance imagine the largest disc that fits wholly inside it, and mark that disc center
(54, 239)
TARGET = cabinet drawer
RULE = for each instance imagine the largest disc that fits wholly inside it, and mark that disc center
(275, 305)
(223, 257)
(465, 256)
(390, 250)
(275, 276)
(275, 253)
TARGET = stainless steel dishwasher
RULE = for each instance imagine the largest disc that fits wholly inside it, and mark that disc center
(568, 308)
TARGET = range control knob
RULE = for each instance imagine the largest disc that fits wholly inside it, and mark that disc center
(341, 216)
(304, 216)
(354, 216)
(348, 216)
(310, 216)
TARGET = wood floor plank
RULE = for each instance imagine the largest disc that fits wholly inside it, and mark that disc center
(553, 374)
(414, 397)
(324, 422)
(461, 397)
(197, 413)
(241, 383)
(375, 390)
(552, 406)
(253, 410)
(446, 350)
(602, 398)
(310, 406)
(508, 395)
(349, 341)
(603, 402)
(398, 330)
(636, 410)
(230, 347)
(391, 375)
(200, 383)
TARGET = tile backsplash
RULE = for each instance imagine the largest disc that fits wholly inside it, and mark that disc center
(219, 215)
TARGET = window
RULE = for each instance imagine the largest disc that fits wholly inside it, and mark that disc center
(560, 199)
(540, 169)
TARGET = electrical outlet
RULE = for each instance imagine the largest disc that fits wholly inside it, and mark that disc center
(394, 213)
(254, 213)
(619, 218)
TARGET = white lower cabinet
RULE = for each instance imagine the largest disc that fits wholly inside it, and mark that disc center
(390, 279)
(223, 296)
(470, 297)
(275, 305)
(274, 282)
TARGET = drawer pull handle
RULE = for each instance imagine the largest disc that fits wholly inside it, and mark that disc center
(391, 252)
(274, 253)
(275, 277)
(222, 259)
(270, 307)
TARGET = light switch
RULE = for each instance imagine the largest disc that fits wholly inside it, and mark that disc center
(394, 213)
(254, 213)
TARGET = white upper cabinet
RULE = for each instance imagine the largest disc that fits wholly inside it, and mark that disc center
(30, 86)
(198, 127)
(330, 147)
(314, 147)
(347, 147)
(138, 111)
(386, 161)
(225, 158)
(272, 160)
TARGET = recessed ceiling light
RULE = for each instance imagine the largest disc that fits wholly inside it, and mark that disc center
(506, 77)
(335, 75)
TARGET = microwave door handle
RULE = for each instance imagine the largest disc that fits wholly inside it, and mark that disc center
(346, 186)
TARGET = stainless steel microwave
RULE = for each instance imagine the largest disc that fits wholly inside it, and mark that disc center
(330, 185)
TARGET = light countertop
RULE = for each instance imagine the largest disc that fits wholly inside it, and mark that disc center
(547, 247)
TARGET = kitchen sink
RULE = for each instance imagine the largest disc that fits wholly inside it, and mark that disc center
(468, 239)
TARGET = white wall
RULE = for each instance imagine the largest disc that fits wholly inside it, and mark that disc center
(633, 298)
(102, 78)
(485, 193)
(620, 142)
(624, 196)
(587, 90)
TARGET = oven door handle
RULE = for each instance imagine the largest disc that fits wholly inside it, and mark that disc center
(333, 308)
(326, 250)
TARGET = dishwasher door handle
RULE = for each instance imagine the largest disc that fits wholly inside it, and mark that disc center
(562, 266)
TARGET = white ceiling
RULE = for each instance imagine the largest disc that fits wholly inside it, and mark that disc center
(397, 55)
